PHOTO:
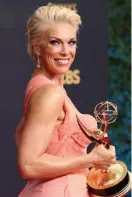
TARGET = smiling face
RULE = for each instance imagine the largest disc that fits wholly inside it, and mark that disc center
(57, 49)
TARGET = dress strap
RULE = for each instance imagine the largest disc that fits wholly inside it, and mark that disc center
(35, 83)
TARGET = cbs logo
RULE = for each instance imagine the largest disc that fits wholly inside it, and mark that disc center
(72, 77)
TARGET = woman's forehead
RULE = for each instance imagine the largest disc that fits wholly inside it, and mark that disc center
(61, 31)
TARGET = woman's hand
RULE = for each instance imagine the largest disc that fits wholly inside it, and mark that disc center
(102, 157)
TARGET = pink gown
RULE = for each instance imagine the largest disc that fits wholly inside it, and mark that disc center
(67, 140)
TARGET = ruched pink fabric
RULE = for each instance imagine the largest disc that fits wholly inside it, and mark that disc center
(67, 140)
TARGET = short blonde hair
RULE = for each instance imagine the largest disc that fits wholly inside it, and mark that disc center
(49, 15)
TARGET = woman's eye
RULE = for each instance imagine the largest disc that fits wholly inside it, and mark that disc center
(54, 42)
(72, 42)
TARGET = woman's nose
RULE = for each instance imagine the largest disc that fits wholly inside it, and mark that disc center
(64, 50)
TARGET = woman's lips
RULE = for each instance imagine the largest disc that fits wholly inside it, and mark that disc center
(62, 61)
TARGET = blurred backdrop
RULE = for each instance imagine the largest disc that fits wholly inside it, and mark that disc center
(119, 73)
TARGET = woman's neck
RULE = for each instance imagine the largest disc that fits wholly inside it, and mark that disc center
(58, 79)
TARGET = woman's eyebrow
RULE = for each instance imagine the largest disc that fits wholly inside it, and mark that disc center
(56, 38)
(59, 39)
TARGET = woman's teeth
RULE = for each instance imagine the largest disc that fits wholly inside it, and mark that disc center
(62, 61)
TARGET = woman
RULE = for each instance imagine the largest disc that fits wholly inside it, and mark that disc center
(51, 145)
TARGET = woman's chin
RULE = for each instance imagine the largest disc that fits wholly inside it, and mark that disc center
(62, 71)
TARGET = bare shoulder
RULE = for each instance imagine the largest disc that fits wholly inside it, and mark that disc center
(48, 90)
(48, 95)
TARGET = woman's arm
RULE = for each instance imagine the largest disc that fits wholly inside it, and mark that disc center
(44, 108)
(19, 130)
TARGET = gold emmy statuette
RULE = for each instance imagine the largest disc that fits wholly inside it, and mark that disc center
(115, 181)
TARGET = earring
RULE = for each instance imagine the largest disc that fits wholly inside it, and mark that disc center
(38, 62)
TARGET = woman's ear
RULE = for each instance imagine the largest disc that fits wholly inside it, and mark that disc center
(36, 50)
